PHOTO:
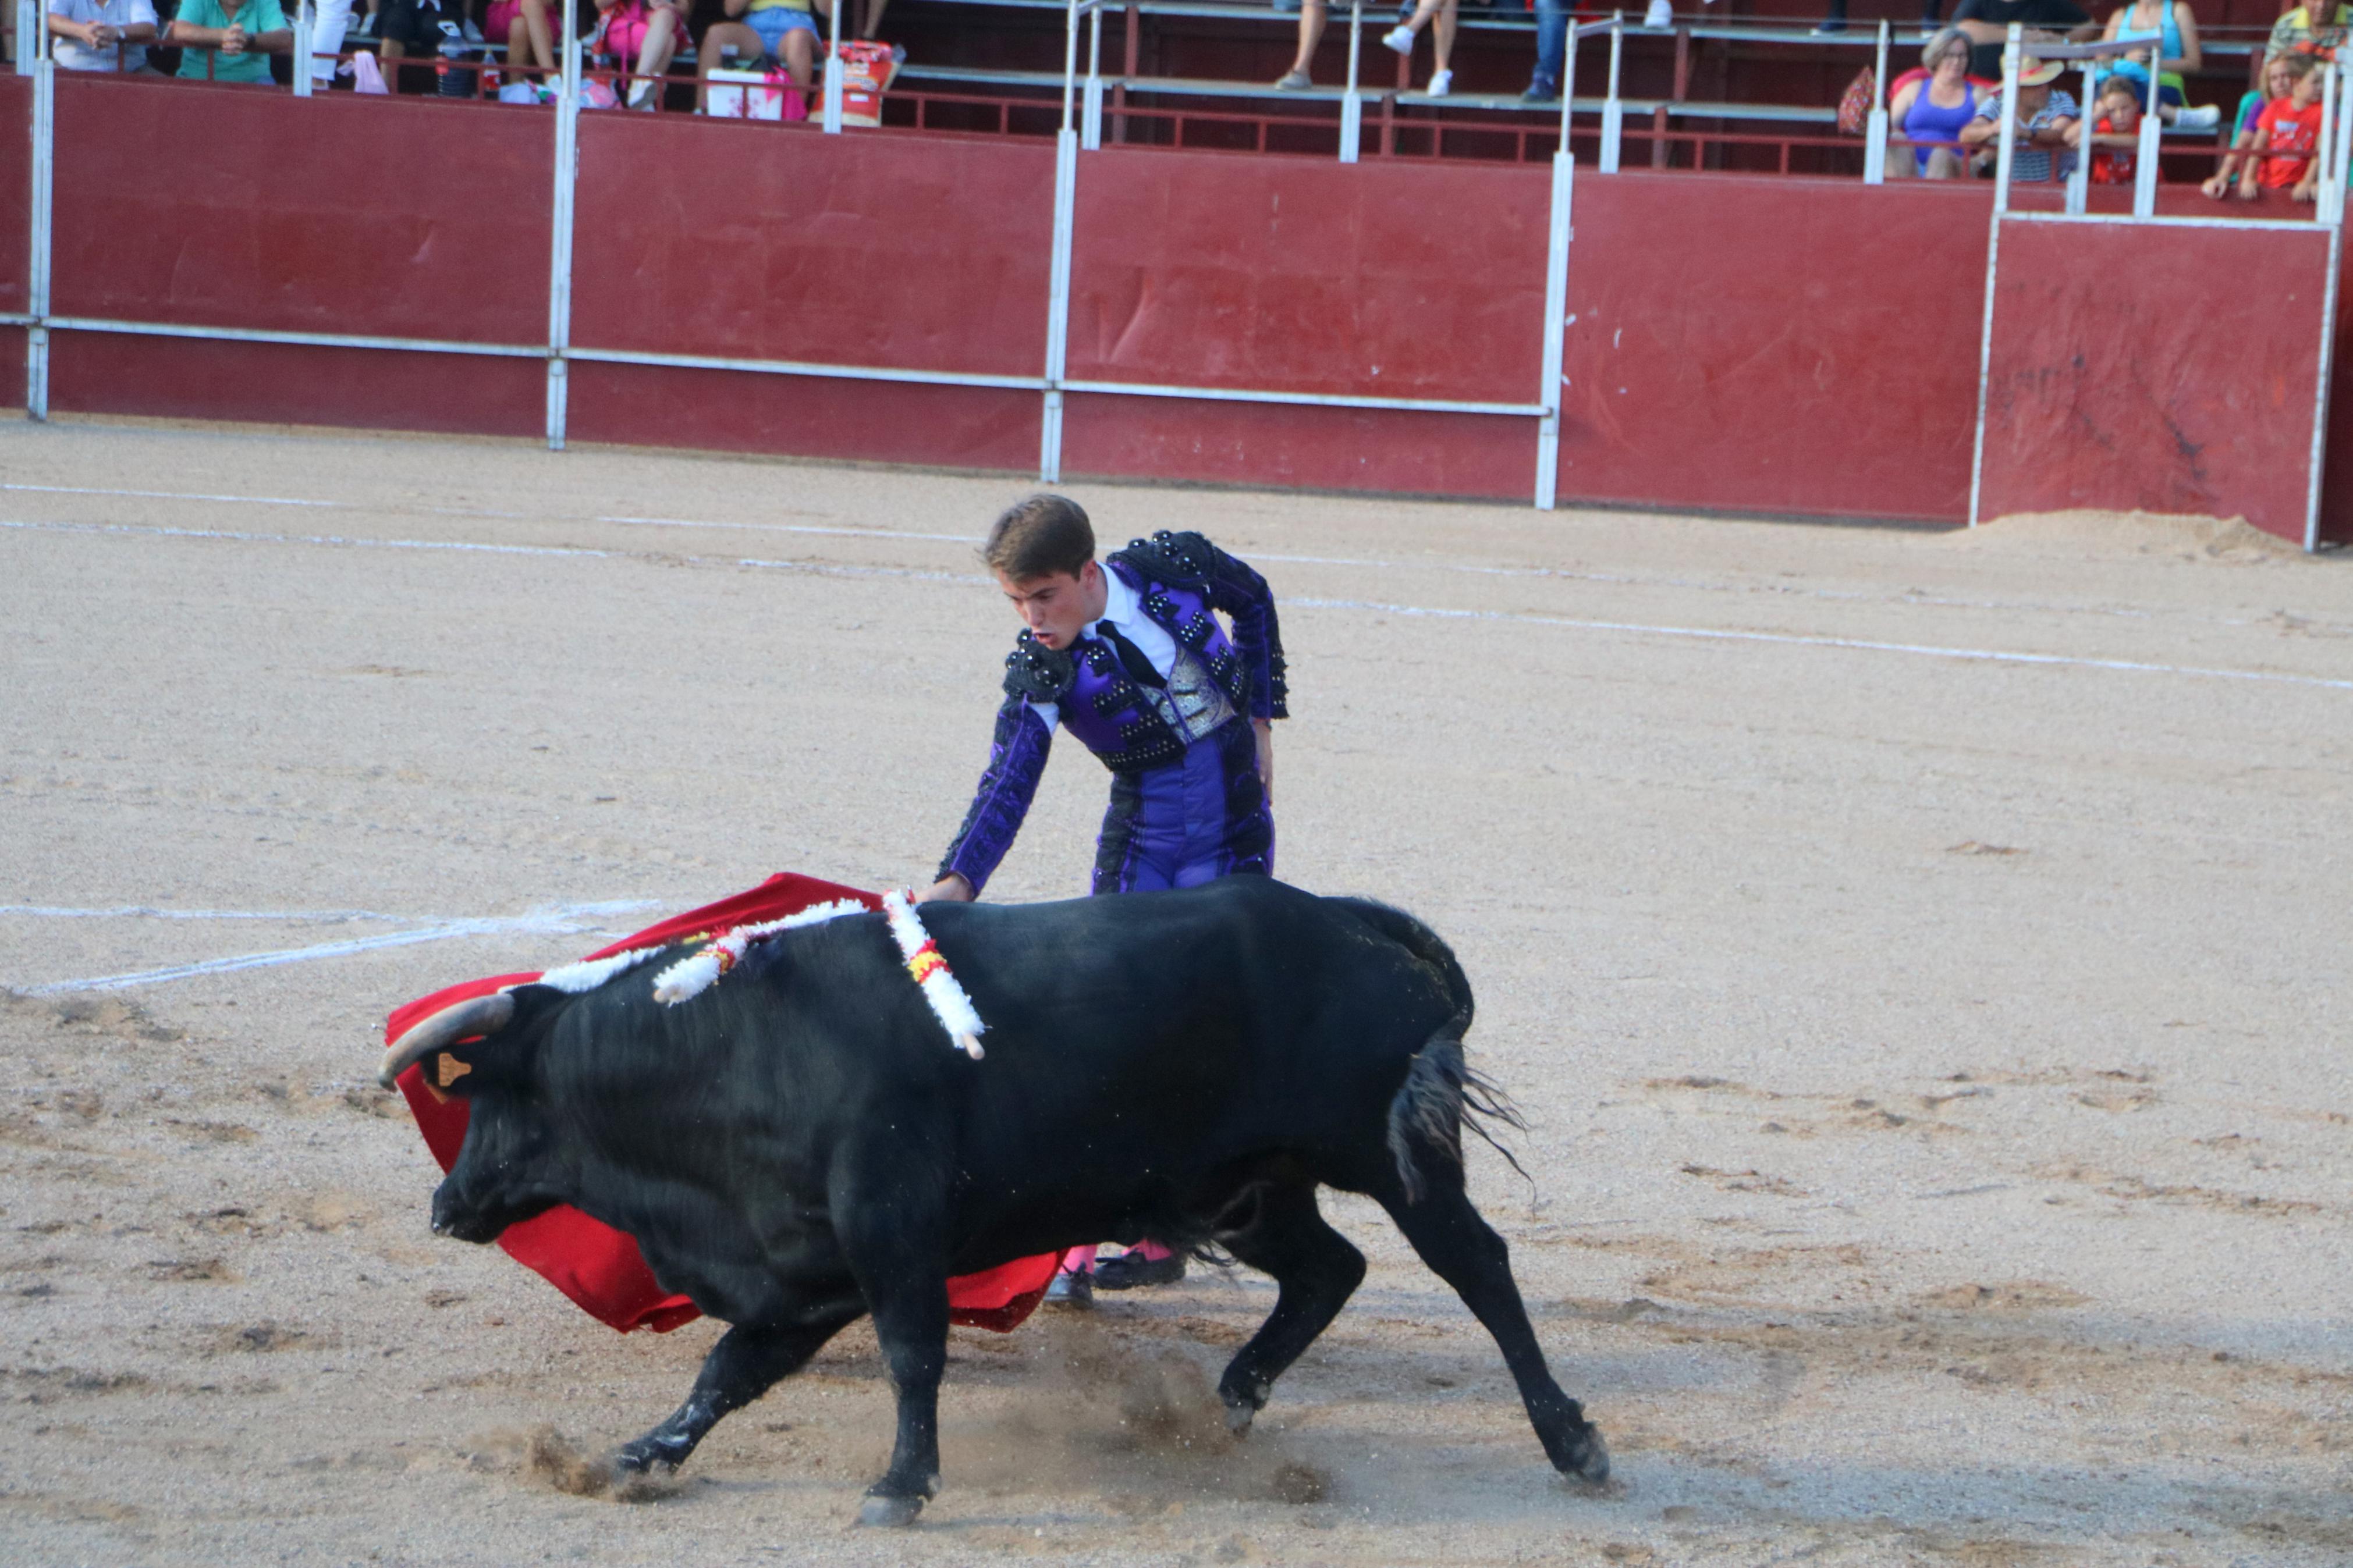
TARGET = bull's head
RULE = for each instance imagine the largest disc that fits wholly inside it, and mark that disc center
(486, 1051)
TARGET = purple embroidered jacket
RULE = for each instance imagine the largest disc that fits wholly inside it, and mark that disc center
(1178, 578)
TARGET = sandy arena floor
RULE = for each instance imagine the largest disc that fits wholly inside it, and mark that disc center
(1923, 960)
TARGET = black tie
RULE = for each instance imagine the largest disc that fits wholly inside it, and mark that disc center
(1139, 668)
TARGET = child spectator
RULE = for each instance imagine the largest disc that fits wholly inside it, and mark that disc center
(2288, 133)
(2116, 133)
(2278, 82)
(645, 32)
(785, 31)
(230, 40)
(102, 35)
(2047, 120)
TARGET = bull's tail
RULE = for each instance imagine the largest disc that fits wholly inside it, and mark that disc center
(1442, 1093)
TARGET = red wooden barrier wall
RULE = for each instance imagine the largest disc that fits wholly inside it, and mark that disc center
(1773, 346)
(2123, 378)
(1790, 346)
(695, 236)
(15, 209)
(1270, 274)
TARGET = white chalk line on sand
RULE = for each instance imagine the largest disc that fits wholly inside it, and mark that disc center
(1802, 639)
(254, 500)
(149, 912)
(573, 552)
(557, 921)
(1516, 617)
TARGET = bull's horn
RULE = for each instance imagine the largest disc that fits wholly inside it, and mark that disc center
(481, 1015)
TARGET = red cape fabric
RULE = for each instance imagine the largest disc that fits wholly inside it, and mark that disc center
(600, 1267)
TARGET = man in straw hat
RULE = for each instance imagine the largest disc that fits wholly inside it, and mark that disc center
(2046, 119)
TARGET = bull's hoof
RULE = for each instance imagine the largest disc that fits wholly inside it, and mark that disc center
(646, 1455)
(894, 1512)
(1240, 1413)
(1586, 1458)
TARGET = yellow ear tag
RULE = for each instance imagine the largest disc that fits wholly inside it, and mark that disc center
(451, 1069)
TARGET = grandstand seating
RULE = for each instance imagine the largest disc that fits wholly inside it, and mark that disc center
(1746, 86)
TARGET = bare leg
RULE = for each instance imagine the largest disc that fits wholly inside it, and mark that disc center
(389, 53)
(800, 47)
(1310, 34)
(539, 33)
(653, 55)
(749, 48)
(873, 23)
(1442, 36)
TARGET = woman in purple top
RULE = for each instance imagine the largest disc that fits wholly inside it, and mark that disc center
(1933, 109)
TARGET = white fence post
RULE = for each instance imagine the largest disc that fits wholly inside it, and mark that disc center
(1352, 102)
(833, 74)
(1613, 111)
(2079, 180)
(1090, 134)
(559, 264)
(2007, 131)
(304, 26)
(29, 28)
(44, 183)
(1058, 287)
(1874, 130)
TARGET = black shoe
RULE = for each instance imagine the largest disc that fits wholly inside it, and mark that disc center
(1133, 1271)
(1075, 1290)
(1541, 91)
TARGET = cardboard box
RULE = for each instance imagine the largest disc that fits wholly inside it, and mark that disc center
(757, 95)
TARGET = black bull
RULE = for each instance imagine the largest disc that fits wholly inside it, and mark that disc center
(801, 1143)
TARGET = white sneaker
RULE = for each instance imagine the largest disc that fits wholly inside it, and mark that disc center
(1441, 83)
(472, 34)
(1662, 14)
(2204, 118)
(641, 93)
(1399, 38)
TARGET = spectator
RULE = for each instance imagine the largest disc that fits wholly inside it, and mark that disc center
(330, 20)
(2278, 82)
(102, 35)
(230, 40)
(2046, 122)
(2174, 26)
(2287, 133)
(1931, 111)
(420, 25)
(1400, 39)
(530, 37)
(2293, 33)
(2116, 133)
(643, 30)
(785, 31)
(1552, 44)
(1987, 22)
(1552, 51)
(1311, 33)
